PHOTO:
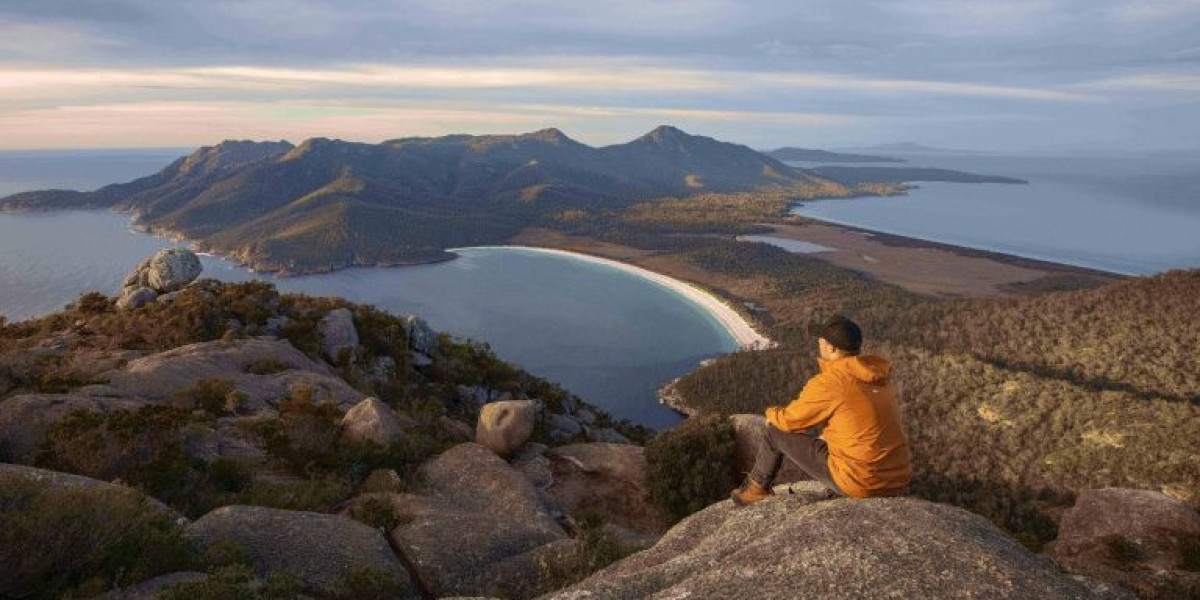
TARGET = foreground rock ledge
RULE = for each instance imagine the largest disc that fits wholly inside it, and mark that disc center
(793, 547)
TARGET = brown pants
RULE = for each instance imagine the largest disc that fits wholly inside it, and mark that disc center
(804, 448)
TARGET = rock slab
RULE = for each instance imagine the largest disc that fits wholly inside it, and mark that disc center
(338, 333)
(794, 547)
(320, 550)
(472, 512)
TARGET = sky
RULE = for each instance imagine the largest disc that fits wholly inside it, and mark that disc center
(1011, 76)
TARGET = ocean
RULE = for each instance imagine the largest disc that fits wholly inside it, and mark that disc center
(1136, 215)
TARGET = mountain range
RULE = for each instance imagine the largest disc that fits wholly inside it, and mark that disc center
(327, 204)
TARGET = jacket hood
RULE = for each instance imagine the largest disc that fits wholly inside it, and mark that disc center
(867, 369)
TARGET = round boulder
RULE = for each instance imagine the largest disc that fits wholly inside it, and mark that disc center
(168, 270)
(504, 426)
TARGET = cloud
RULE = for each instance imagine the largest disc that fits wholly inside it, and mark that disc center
(197, 123)
(1148, 82)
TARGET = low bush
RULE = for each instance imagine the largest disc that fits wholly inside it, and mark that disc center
(55, 540)
(692, 465)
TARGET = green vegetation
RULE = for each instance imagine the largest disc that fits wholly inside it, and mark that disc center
(691, 466)
(80, 541)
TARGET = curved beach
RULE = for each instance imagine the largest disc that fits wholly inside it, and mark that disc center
(742, 332)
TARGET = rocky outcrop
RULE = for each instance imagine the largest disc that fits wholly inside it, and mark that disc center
(798, 547)
(504, 426)
(159, 376)
(25, 419)
(472, 512)
(320, 550)
(167, 270)
(422, 339)
(372, 421)
(604, 479)
(338, 333)
(1140, 539)
(136, 297)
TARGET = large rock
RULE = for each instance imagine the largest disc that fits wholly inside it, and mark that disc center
(372, 421)
(159, 376)
(421, 337)
(320, 550)
(473, 511)
(136, 297)
(167, 270)
(338, 333)
(26, 419)
(749, 432)
(1137, 538)
(608, 480)
(796, 547)
(504, 426)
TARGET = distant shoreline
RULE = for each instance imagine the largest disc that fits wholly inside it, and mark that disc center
(743, 333)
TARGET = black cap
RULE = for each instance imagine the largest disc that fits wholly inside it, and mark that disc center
(843, 333)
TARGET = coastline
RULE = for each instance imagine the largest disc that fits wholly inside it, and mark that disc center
(734, 323)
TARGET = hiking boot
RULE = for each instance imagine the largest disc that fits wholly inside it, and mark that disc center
(750, 492)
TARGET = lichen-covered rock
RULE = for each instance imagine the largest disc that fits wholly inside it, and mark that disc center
(607, 435)
(504, 426)
(472, 511)
(421, 337)
(1140, 539)
(158, 377)
(794, 547)
(608, 480)
(136, 297)
(338, 333)
(318, 549)
(167, 270)
(372, 421)
(563, 428)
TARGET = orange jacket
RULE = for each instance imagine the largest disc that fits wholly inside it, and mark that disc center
(851, 396)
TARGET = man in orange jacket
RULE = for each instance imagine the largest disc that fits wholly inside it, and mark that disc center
(843, 429)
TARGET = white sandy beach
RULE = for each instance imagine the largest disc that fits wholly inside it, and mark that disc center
(737, 326)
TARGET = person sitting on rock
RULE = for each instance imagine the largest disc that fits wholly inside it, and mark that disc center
(843, 430)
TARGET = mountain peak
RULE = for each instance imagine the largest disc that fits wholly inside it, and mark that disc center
(550, 134)
(664, 133)
(232, 153)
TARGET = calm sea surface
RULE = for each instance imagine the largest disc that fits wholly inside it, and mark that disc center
(1135, 215)
(611, 337)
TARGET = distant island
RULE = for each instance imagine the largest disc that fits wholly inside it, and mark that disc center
(909, 148)
(825, 156)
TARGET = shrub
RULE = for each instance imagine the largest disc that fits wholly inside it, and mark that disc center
(53, 539)
(267, 366)
(369, 584)
(235, 582)
(691, 466)
(376, 512)
(215, 396)
(141, 447)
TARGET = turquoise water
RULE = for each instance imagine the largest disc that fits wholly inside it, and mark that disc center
(1135, 215)
(609, 336)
